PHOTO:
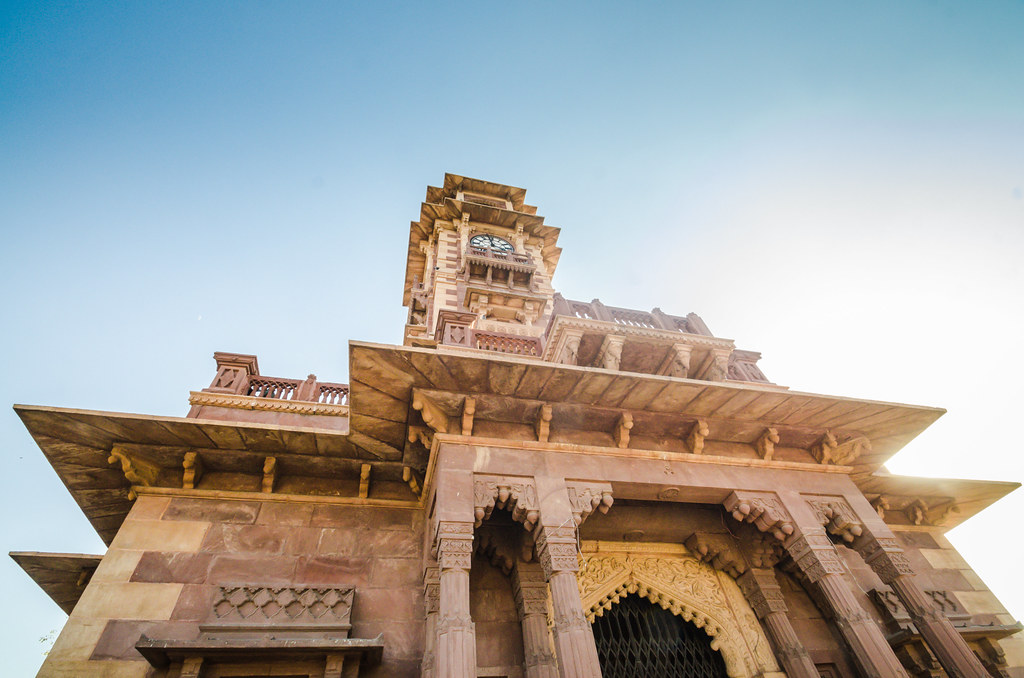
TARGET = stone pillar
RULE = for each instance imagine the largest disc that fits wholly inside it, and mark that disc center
(764, 595)
(531, 593)
(816, 557)
(431, 596)
(456, 634)
(574, 637)
(889, 562)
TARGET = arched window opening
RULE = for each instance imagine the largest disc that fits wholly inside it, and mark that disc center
(638, 639)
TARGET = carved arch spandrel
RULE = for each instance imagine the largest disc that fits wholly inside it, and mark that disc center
(675, 580)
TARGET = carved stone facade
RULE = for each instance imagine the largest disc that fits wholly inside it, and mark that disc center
(481, 494)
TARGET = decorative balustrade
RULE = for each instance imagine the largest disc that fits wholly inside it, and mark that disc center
(332, 394)
(629, 317)
(625, 316)
(273, 387)
(505, 343)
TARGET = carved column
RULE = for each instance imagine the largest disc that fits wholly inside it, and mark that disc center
(456, 634)
(816, 557)
(431, 596)
(797, 526)
(764, 595)
(889, 562)
(531, 593)
(574, 637)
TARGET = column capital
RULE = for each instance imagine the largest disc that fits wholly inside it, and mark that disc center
(814, 554)
(432, 588)
(556, 549)
(762, 591)
(884, 556)
(453, 545)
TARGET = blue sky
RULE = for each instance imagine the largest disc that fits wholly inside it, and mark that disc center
(836, 185)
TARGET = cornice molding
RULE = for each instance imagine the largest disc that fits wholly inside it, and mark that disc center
(242, 402)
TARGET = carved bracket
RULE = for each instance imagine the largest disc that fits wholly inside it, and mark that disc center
(585, 497)
(765, 445)
(410, 478)
(468, 410)
(824, 449)
(269, 473)
(717, 551)
(837, 517)
(543, 424)
(136, 471)
(610, 354)
(192, 466)
(761, 509)
(433, 415)
(364, 481)
(622, 427)
(518, 495)
(695, 441)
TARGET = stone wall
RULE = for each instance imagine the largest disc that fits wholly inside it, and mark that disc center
(163, 569)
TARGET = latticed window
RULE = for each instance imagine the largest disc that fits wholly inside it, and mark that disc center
(638, 639)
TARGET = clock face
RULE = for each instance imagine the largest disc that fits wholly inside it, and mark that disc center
(491, 242)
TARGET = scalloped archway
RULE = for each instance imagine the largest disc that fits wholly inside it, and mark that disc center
(667, 575)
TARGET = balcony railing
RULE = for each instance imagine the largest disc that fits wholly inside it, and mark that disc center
(509, 260)
(505, 343)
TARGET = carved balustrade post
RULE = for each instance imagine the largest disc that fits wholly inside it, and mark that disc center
(531, 594)
(762, 591)
(431, 596)
(796, 525)
(456, 634)
(886, 558)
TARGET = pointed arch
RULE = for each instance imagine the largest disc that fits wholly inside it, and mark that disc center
(668, 576)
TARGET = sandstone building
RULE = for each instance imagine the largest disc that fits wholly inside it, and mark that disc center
(530, 486)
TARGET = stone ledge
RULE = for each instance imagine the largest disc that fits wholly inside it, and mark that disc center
(243, 402)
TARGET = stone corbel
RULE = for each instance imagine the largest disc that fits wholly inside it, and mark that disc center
(518, 495)
(468, 410)
(881, 505)
(585, 497)
(763, 510)
(695, 441)
(718, 370)
(410, 479)
(848, 452)
(944, 514)
(717, 551)
(824, 449)
(610, 354)
(269, 474)
(622, 427)
(837, 517)
(916, 511)
(136, 471)
(433, 415)
(364, 481)
(543, 423)
(192, 466)
(765, 445)
(422, 434)
(569, 355)
(679, 362)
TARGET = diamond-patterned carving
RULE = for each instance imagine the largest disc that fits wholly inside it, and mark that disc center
(264, 604)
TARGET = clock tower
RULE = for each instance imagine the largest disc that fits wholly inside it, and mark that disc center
(479, 267)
